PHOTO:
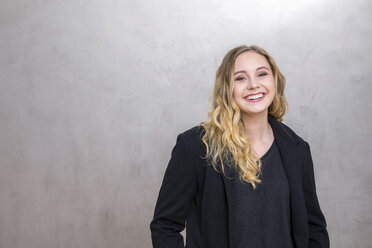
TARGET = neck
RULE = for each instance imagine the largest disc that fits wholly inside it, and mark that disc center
(257, 127)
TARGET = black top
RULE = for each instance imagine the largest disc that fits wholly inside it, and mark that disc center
(262, 216)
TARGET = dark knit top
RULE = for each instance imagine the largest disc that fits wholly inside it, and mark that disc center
(262, 216)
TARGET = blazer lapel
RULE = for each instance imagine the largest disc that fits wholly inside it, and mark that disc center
(230, 196)
(289, 152)
(291, 155)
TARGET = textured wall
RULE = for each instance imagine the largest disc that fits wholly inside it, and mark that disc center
(93, 94)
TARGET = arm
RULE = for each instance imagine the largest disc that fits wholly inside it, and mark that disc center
(318, 235)
(175, 196)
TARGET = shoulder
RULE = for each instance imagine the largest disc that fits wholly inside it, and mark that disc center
(285, 131)
(291, 133)
(302, 145)
(193, 135)
(192, 139)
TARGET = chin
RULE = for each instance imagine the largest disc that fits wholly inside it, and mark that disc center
(254, 112)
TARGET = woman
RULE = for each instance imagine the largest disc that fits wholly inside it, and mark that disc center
(242, 178)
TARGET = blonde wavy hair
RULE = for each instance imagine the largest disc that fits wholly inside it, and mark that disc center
(224, 135)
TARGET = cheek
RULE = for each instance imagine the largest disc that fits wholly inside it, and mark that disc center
(235, 91)
(271, 85)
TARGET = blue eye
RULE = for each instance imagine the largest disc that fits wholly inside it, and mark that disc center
(262, 74)
(239, 79)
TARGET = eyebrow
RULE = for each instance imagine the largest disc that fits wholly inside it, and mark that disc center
(259, 68)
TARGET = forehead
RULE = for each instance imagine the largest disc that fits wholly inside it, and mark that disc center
(250, 61)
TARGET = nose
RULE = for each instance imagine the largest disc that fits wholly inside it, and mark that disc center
(252, 84)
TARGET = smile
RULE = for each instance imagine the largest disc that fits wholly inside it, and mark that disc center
(255, 98)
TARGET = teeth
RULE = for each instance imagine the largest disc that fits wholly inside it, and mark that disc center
(255, 96)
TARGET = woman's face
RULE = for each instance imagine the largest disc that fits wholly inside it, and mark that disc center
(254, 85)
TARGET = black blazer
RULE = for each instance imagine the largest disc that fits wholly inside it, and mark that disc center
(194, 192)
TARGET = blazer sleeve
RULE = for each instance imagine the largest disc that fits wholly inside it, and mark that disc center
(174, 199)
(318, 235)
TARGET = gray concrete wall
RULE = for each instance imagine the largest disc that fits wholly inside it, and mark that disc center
(93, 94)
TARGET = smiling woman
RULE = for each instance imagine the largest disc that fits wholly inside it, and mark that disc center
(242, 178)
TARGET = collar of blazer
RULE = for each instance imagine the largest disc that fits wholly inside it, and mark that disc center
(282, 130)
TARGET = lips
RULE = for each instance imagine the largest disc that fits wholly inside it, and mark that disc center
(255, 96)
